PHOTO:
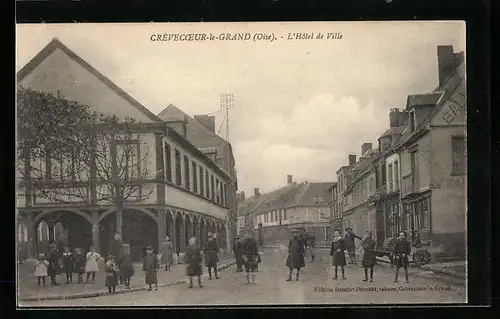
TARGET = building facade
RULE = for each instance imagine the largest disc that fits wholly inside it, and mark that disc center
(188, 192)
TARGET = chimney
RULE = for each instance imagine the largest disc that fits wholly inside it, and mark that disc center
(289, 179)
(365, 147)
(352, 159)
(207, 121)
(446, 62)
(256, 192)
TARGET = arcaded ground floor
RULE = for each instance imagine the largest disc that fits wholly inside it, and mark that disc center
(141, 226)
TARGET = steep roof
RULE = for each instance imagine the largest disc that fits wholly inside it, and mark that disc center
(393, 131)
(423, 99)
(313, 194)
(56, 44)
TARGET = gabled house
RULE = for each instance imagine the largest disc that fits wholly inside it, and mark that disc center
(181, 204)
(433, 162)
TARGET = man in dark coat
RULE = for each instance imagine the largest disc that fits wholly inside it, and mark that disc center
(116, 250)
(237, 247)
(54, 257)
(150, 266)
(402, 249)
(250, 256)
(211, 252)
(337, 252)
(351, 245)
(369, 255)
(194, 259)
(295, 258)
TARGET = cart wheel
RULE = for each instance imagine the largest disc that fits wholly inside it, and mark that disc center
(422, 257)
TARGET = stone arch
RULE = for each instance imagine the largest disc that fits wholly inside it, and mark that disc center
(188, 230)
(139, 230)
(42, 241)
(69, 209)
(203, 231)
(196, 229)
(169, 225)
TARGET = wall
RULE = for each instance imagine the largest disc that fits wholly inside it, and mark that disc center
(182, 199)
(58, 72)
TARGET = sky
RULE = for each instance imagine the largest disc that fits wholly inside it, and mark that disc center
(300, 106)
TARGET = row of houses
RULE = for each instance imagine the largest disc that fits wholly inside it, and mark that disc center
(192, 177)
(414, 180)
(297, 205)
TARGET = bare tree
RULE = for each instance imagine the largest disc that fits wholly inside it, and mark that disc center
(71, 154)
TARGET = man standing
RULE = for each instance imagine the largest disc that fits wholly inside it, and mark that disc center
(237, 250)
(351, 245)
(295, 259)
(250, 256)
(116, 249)
(211, 253)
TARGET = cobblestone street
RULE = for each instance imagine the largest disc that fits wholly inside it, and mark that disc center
(315, 286)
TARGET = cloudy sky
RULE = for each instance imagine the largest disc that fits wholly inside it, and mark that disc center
(301, 106)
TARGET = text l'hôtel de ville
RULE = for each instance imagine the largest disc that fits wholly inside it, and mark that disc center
(258, 36)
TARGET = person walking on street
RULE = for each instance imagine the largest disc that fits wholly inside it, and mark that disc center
(92, 264)
(193, 259)
(116, 250)
(68, 262)
(402, 249)
(150, 267)
(337, 252)
(167, 253)
(54, 257)
(111, 270)
(250, 256)
(312, 247)
(80, 261)
(295, 258)
(351, 245)
(237, 250)
(126, 267)
(369, 255)
(211, 252)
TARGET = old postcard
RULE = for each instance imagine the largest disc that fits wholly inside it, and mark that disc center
(202, 164)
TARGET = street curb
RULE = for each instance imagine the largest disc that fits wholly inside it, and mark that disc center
(106, 293)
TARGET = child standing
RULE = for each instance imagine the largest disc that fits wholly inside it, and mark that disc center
(126, 268)
(194, 258)
(150, 266)
(67, 261)
(92, 264)
(41, 268)
(80, 260)
(111, 273)
(402, 249)
(337, 252)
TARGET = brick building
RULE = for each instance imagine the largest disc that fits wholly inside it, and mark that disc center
(189, 192)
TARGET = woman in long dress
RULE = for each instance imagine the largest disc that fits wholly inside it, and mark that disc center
(167, 253)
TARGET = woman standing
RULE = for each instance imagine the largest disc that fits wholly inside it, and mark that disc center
(296, 251)
(337, 252)
(211, 252)
(194, 259)
(369, 255)
(402, 249)
(167, 253)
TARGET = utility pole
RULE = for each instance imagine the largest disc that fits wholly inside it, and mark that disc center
(226, 102)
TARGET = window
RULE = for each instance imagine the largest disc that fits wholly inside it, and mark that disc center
(414, 170)
(168, 162)
(178, 174)
(384, 177)
(195, 177)
(396, 175)
(224, 195)
(217, 193)
(22, 233)
(389, 178)
(186, 173)
(212, 187)
(207, 190)
(202, 182)
(458, 155)
(426, 221)
(127, 153)
(412, 120)
(43, 231)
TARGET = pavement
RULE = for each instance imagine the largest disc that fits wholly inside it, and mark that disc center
(315, 286)
(30, 291)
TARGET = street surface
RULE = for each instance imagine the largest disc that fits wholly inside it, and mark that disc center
(315, 286)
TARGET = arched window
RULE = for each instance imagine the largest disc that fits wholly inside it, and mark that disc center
(43, 231)
(22, 233)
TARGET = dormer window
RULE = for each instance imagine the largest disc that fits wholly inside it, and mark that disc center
(412, 120)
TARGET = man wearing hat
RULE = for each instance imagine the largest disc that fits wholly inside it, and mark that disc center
(351, 245)
(211, 253)
(295, 258)
(237, 250)
(150, 266)
(250, 256)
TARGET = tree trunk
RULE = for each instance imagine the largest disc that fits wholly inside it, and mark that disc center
(119, 220)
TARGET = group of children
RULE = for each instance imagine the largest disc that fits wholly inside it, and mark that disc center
(72, 262)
